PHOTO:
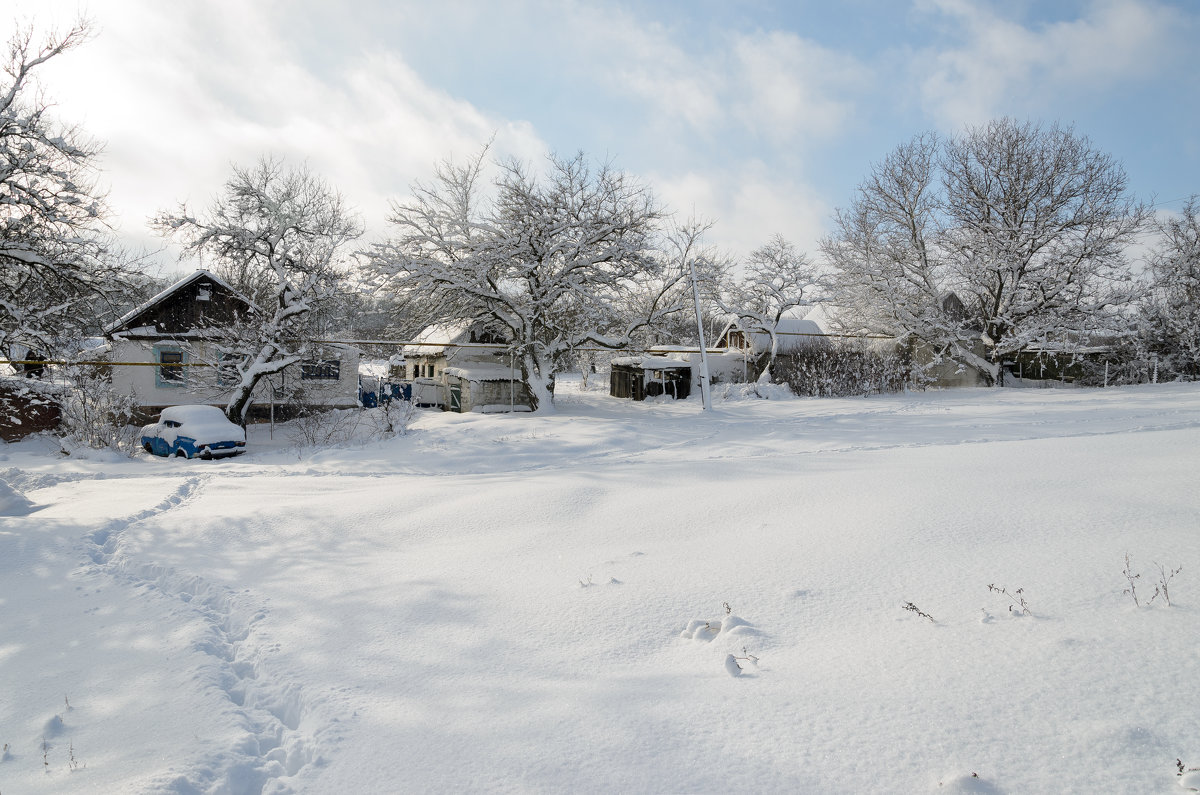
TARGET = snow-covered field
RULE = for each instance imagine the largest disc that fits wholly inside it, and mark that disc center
(549, 603)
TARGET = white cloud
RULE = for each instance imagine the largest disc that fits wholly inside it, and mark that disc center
(1002, 66)
(179, 92)
(780, 86)
(749, 204)
(786, 87)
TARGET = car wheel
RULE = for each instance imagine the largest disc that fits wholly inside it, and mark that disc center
(146, 446)
(181, 453)
(205, 454)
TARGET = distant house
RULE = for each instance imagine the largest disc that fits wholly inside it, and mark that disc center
(465, 366)
(169, 337)
(794, 335)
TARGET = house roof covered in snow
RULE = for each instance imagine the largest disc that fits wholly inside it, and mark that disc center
(132, 323)
(793, 333)
(433, 340)
(437, 339)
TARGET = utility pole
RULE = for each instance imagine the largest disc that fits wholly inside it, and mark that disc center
(705, 398)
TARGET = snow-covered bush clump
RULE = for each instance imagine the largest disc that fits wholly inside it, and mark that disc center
(752, 391)
(315, 428)
(843, 370)
(97, 417)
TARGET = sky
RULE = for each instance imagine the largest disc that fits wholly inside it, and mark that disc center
(760, 116)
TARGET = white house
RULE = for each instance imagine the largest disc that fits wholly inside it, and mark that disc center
(164, 354)
(465, 366)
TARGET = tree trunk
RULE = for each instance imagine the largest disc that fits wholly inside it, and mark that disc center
(539, 389)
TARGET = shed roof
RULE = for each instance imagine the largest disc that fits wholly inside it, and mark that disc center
(653, 363)
(485, 372)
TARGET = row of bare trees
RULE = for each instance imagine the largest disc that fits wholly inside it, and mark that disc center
(1026, 225)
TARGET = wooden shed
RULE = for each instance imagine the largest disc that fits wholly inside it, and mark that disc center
(640, 377)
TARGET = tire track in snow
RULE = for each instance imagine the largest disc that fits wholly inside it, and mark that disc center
(269, 710)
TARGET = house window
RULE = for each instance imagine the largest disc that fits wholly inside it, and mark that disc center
(204, 292)
(324, 370)
(170, 372)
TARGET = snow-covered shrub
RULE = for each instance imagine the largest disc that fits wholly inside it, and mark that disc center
(1130, 359)
(912, 608)
(1016, 599)
(843, 370)
(97, 417)
(1161, 588)
(316, 428)
(391, 417)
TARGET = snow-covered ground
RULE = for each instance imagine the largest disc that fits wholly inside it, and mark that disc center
(550, 603)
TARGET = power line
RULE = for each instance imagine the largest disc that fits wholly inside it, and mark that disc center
(660, 348)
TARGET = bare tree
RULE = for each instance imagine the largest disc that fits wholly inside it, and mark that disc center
(1038, 223)
(889, 274)
(1026, 226)
(776, 279)
(286, 230)
(59, 270)
(1171, 312)
(554, 261)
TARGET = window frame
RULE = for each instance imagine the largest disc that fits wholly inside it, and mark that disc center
(326, 370)
(170, 374)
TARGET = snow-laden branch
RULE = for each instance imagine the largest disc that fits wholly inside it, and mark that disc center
(556, 262)
(281, 233)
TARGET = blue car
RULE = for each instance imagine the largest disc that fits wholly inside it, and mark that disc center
(193, 432)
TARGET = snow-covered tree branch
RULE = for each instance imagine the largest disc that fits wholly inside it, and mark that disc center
(287, 231)
(59, 270)
(775, 280)
(553, 262)
(1171, 312)
(1026, 226)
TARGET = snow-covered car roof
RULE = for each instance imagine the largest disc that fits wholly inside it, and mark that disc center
(203, 423)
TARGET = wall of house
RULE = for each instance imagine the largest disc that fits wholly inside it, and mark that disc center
(196, 385)
(481, 394)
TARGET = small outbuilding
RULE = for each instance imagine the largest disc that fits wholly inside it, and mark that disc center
(465, 366)
(794, 336)
(640, 377)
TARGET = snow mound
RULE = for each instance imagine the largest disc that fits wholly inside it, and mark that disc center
(755, 391)
(1190, 780)
(13, 502)
(968, 785)
(698, 629)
